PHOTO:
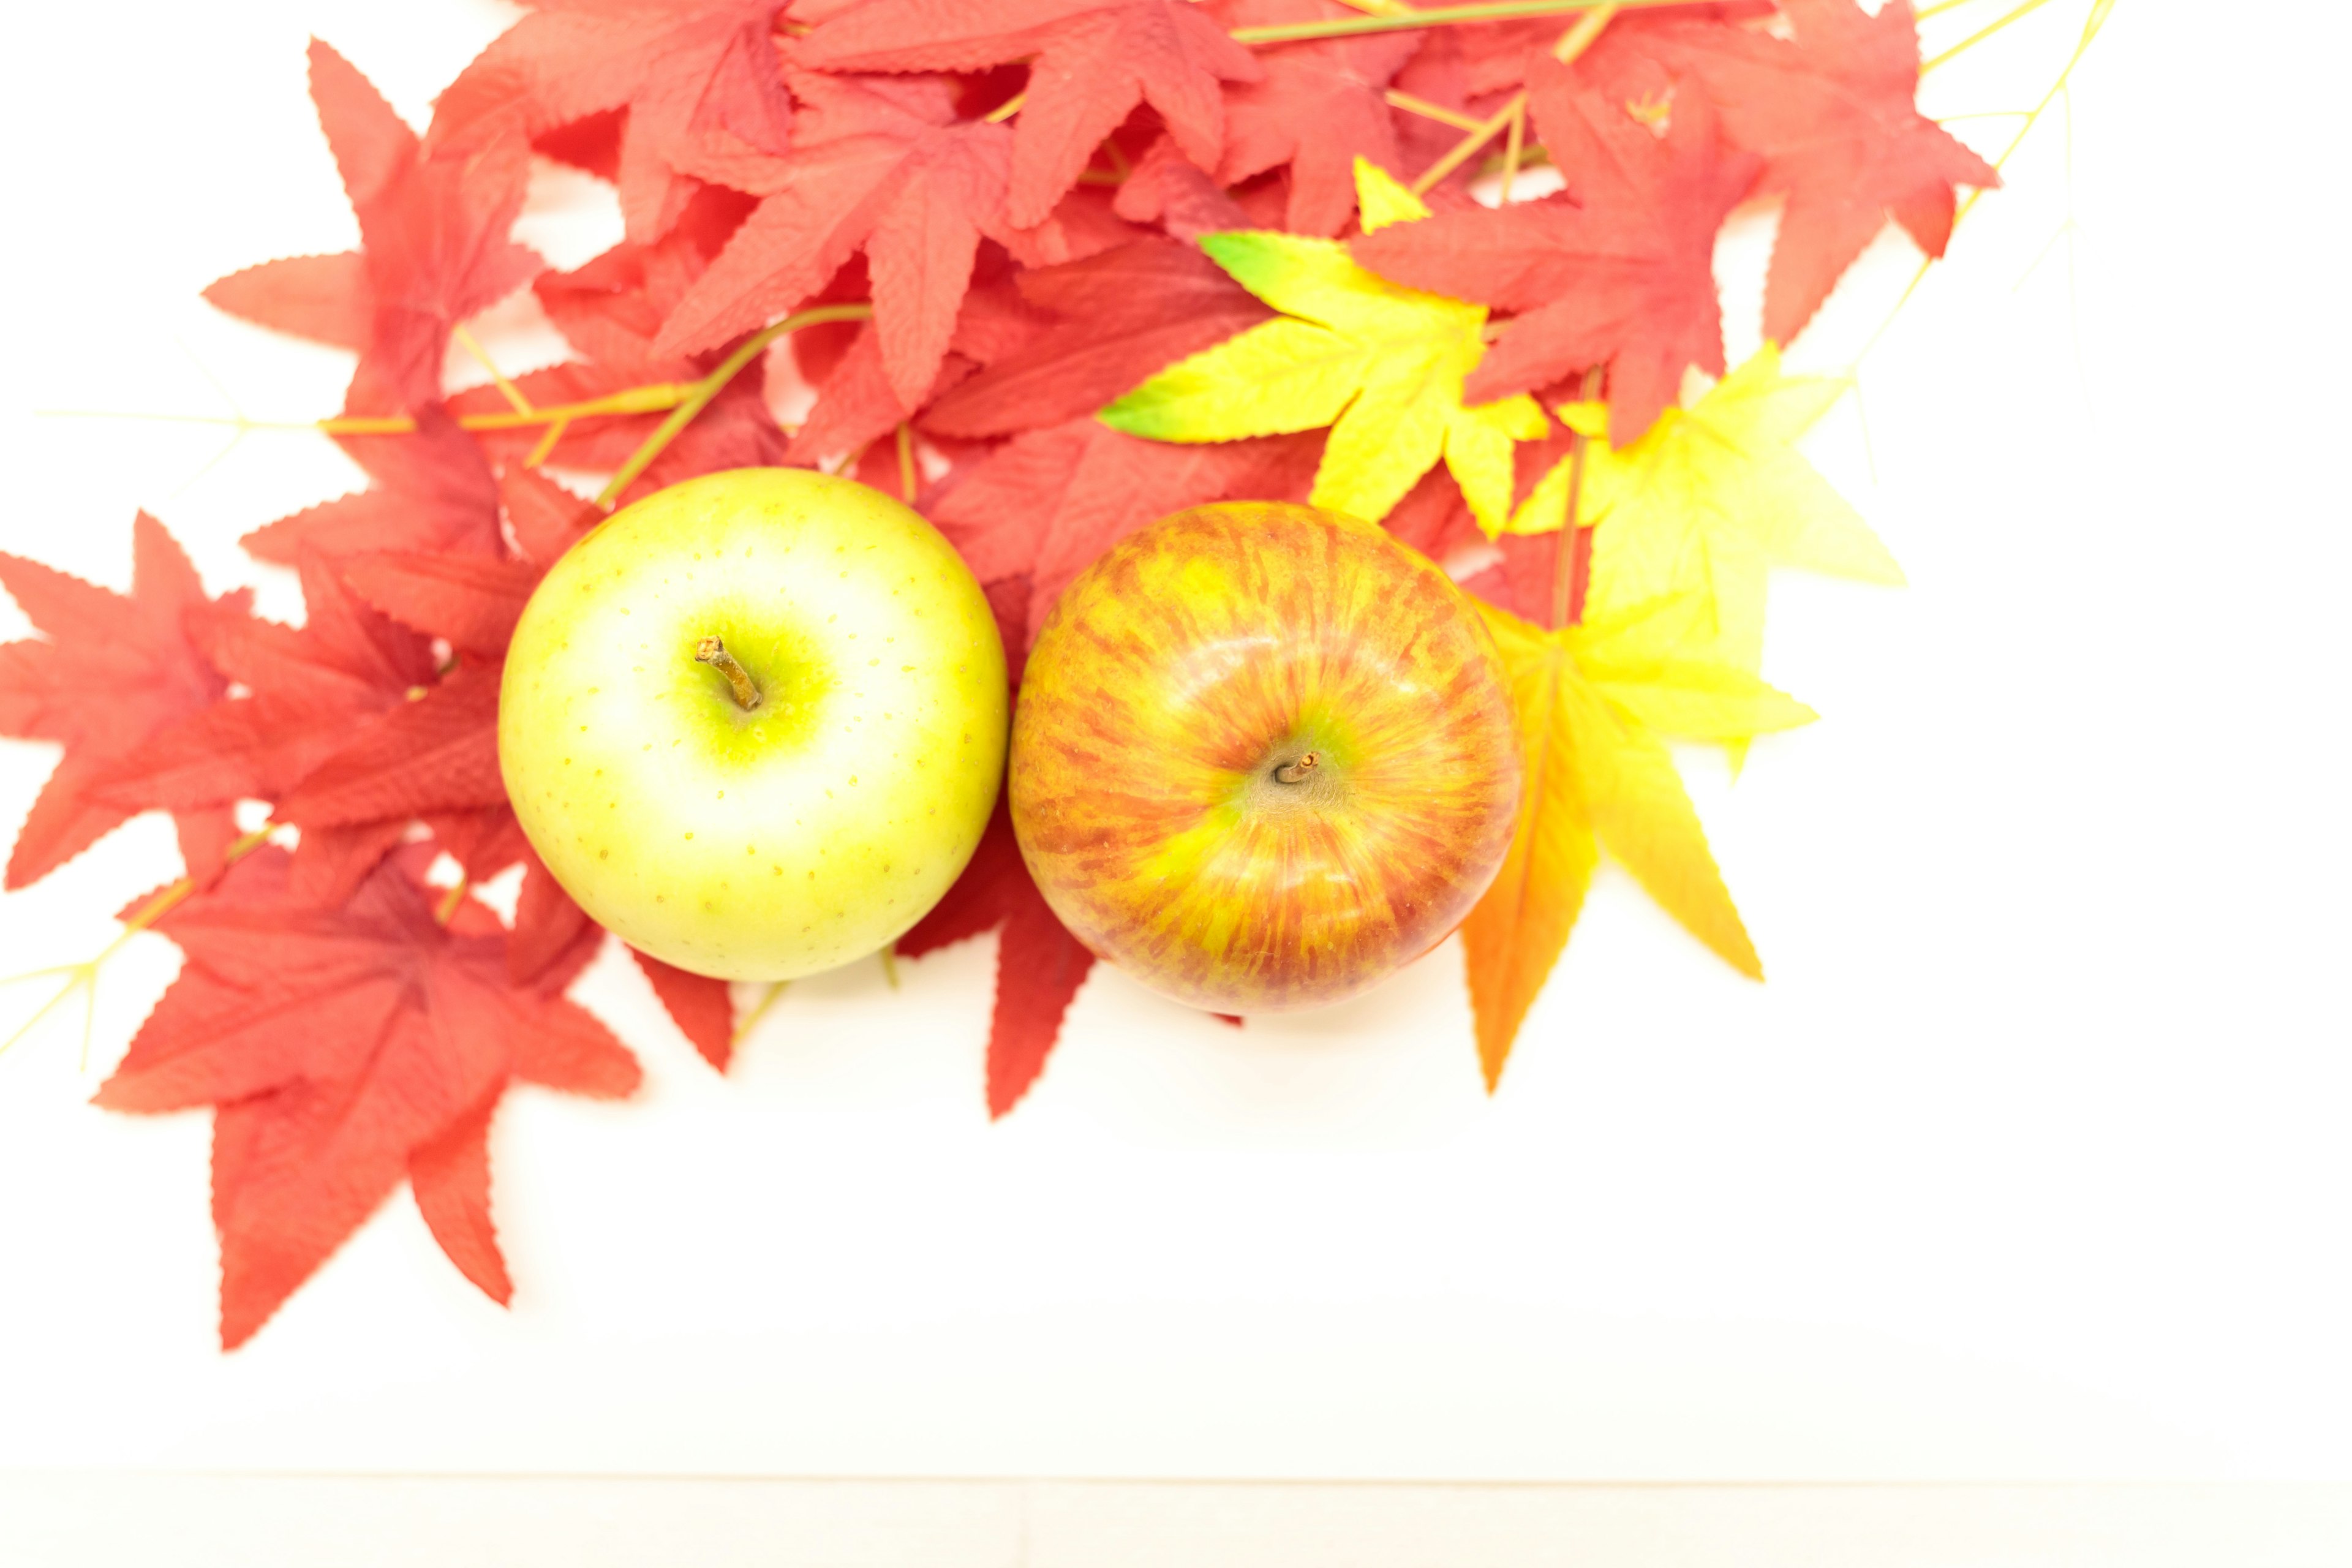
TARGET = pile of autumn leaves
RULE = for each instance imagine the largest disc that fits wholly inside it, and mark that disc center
(1119, 263)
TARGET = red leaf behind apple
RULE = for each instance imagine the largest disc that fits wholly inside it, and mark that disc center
(702, 1008)
(1039, 964)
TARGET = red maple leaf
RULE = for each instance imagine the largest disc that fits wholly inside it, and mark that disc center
(1164, 188)
(546, 520)
(881, 164)
(472, 600)
(346, 1048)
(432, 491)
(1124, 316)
(612, 306)
(855, 405)
(1318, 108)
(553, 936)
(1499, 55)
(433, 241)
(307, 690)
(1834, 112)
(343, 725)
(1434, 517)
(1618, 269)
(689, 74)
(1091, 61)
(1524, 581)
(438, 756)
(702, 1008)
(325, 298)
(1039, 964)
(1046, 503)
(112, 672)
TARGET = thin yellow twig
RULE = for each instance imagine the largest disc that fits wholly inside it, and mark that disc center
(1005, 110)
(1564, 587)
(2097, 18)
(1512, 115)
(759, 1011)
(547, 442)
(1982, 34)
(84, 975)
(1461, 151)
(700, 396)
(1579, 38)
(506, 389)
(1428, 111)
(1434, 16)
(1513, 144)
(906, 461)
(653, 398)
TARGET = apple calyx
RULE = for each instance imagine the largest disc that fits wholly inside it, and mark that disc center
(713, 652)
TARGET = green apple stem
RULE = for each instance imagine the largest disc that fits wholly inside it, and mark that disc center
(713, 652)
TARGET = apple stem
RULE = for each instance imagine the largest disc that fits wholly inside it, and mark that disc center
(713, 652)
(1295, 772)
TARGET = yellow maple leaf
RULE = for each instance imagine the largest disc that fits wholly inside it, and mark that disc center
(1706, 501)
(1594, 703)
(1380, 363)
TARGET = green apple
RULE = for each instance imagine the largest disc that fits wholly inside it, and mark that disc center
(754, 723)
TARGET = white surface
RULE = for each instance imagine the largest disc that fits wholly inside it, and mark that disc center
(75, 1521)
(2029, 1162)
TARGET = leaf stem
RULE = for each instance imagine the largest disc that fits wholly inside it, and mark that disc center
(2097, 18)
(1982, 34)
(1436, 17)
(85, 973)
(1512, 116)
(1572, 563)
(698, 397)
(1513, 145)
(1461, 152)
(1428, 111)
(506, 389)
(652, 398)
(759, 1010)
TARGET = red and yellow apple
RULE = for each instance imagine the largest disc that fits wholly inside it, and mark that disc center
(1263, 756)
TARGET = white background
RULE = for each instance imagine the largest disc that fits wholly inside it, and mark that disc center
(2029, 1161)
